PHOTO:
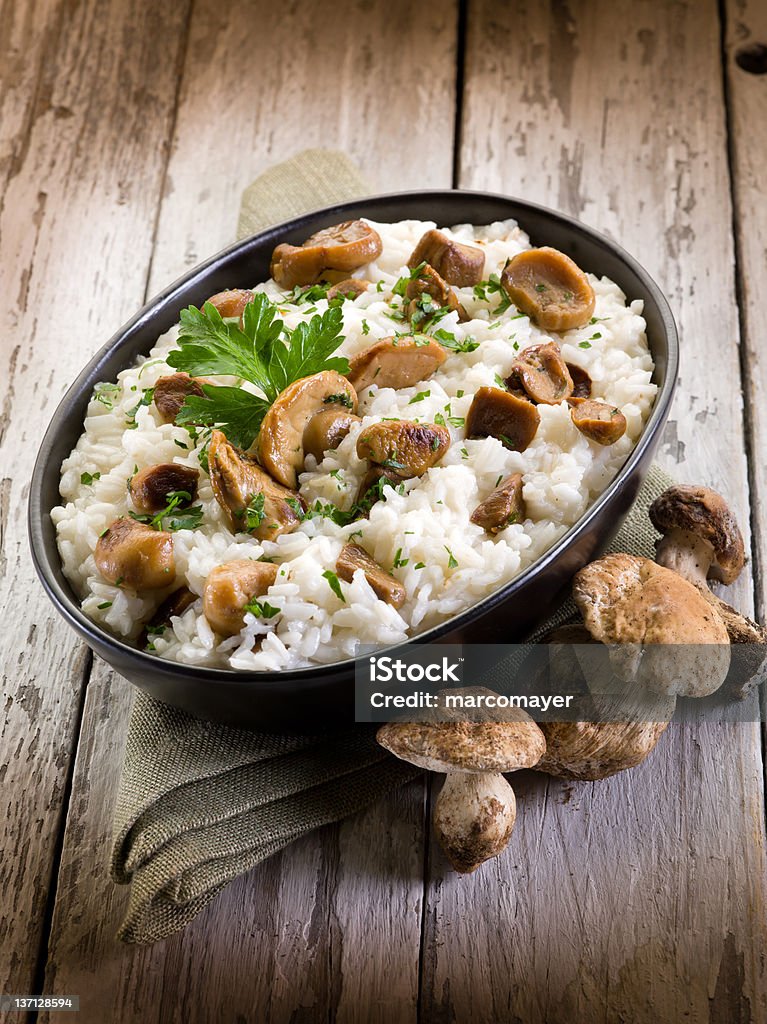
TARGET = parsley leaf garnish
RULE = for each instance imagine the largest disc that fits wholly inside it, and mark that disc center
(263, 352)
(334, 584)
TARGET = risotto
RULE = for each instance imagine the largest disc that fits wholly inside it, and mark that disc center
(366, 501)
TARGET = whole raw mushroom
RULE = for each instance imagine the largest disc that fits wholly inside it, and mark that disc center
(475, 812)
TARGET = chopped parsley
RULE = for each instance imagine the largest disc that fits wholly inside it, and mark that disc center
(584, 344)
(452, 563)
(500, 382)
(107, 394)
(340, 399)
(172, 517)
(262, 610)
(334, 584)
(448, 340)
(253, 512)
(89, 478)
(486, 289)
(419, 397)
(399, 562)
(104, 604)
(146, 399)
(365, 327)
(420, 565)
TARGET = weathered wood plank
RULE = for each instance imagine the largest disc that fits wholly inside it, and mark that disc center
(84, 125)
(640, 898)
(331, 927)
(746, 23)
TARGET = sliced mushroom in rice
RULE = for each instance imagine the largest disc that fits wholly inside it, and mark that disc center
(550, 288)
(280, 444)
(231, 303)
(495, 413)
(173, 605)
(385, 586)
(407, 447)
(150, 488)
(395, 362)
(252, 502)
(439, 295)
(229, 587)
(457, 263)
(135, 556)
(372, 486)
(171, 391)
(351, 288)
(542, 373)
(598, 421)
(327, 429)
(581, 382)
(503, 507)
(342, 247)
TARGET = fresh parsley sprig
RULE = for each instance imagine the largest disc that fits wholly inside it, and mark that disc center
(263, 351)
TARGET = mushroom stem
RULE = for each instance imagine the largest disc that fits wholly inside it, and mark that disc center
(474, 817)
(686, 554)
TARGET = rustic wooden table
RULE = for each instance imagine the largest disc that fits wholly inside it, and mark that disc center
(128, 130)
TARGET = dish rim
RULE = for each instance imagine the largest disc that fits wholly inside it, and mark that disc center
(67, 604)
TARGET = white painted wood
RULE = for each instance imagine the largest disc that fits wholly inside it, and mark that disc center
(640, 898)
(83, 125)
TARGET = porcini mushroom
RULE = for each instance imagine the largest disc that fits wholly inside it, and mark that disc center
(173, 605)
(548, 286)
(149, 488)
(395, 363)
(136, 556)
(662, 631)
(701, 539)
(327, 429)
(229, 588)
(407, 447)
(502, 507)
(506, 416)
(439, 295)
(542, 373)
(387, 587)
(581, 381)
(171, 391)
(456, 263)
(598, 421)
(372, 485)
(231, 303)
(252, 502)
(280, 443)
(475, 812)
(348, 289)
(343, 247)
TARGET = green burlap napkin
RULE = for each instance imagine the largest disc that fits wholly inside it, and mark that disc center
(200, 803)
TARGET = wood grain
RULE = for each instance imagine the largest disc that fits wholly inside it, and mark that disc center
(640, 898)
(746, 23)
(329, 929)
(83, 121)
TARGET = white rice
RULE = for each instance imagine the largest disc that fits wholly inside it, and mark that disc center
(563, 473)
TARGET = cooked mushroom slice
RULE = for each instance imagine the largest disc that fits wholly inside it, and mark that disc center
(327, 429)
(348, 289)
(475, 812)
(149, 488)
(171, 392)
(385, 586)
(598, 421)
(175, 604)
(407, 447)
(280, 443)
(229, 587)
(543, 374)
(395, 363)
(495, 413)
(231, 303)
(344, 247)
(457, 263)
(504, 506)
(550, 288)
(372, 485)
(252, 501)
(133, 555)
(663, 631)
(440, 295)
(581, 382)
(701, 539)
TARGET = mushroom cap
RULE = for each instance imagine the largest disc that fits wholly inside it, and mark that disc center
(597, 750)
(645, 608)
(395, 362)
(706, 514)
(280, 441)
(461, 746)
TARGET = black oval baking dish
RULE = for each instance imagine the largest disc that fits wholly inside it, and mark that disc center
(308, 698)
